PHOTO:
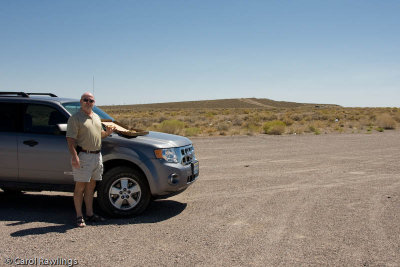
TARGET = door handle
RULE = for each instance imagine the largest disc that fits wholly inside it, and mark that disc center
(31, 143)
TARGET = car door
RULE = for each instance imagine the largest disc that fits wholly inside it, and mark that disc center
(42, 148)
(9, 124)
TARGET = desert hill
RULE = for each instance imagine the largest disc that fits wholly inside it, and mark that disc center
(259, 103)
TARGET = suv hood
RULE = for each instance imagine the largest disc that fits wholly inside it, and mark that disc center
(154, 139)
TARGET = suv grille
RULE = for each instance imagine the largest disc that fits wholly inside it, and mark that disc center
(187, 154)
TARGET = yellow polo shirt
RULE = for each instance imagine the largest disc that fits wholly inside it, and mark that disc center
(86, 130)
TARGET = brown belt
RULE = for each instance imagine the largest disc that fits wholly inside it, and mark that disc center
(91, 152)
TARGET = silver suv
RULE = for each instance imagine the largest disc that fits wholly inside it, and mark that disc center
(34, 155)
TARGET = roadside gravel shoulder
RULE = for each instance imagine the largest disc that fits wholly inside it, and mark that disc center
(260, 200)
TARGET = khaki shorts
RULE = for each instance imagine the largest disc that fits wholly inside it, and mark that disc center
(91, 167)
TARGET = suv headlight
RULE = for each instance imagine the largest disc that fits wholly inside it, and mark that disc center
(168, 154)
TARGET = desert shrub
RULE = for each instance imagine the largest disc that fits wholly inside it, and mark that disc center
(302, 122)
(296, 117)
(202, 118)
(288, 121)
(286, 118)
(396, 117)
(210, 131)
(312, 128)
(235, 132)
(332, 119)
(147, 122)
(295, 130)
(269, 117)
(237, 122)
(308, 118)
(223, 127)
(125, 121)
(172, 126)
(315, 117)
(252, 128)
(386, 121)
(192, 131)
(189, 120)
(352, 118)
(339, 129)
(210, 114)
(227, 112)
(162, 118)
(154, 127)
(274, 127)
(255, 119)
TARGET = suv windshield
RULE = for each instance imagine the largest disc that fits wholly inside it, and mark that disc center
(74, 107)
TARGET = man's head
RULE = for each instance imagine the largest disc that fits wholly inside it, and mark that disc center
(87, 102)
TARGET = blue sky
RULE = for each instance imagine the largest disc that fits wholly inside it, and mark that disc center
(336, 52)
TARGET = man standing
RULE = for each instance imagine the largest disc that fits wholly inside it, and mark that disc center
(84, 133)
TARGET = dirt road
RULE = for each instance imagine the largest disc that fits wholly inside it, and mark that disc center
(262, 200)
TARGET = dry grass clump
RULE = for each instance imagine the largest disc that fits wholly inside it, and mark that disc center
(172, 126)
(247, 121)
(251, 128)
(192, 131)
(314, 129)
(396, 116)
(274, 127)
(386, 122)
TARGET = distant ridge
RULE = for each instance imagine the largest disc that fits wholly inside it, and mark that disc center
(260, 103)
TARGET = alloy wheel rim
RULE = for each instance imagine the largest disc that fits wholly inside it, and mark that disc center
(124, 193)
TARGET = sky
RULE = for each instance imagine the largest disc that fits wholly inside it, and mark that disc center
(138, 52)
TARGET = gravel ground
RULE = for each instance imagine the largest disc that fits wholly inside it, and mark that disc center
(260, 200)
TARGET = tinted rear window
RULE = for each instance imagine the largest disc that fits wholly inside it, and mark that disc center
(9, 113)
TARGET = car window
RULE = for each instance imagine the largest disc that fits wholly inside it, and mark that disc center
(8, 117)
(74, 107)
(42, 119)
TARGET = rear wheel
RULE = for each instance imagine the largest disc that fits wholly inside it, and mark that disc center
(123, 192)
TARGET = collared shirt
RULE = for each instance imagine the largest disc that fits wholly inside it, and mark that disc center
(86, 130)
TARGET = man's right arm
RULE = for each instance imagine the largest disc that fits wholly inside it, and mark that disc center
(72, 150)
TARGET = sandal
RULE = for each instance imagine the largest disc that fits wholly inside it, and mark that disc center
(80, 222)
(95, 218)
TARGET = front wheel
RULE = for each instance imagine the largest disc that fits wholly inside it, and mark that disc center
(123, 192)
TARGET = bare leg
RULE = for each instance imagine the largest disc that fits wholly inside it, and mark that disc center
(78, 197)
(89, 193)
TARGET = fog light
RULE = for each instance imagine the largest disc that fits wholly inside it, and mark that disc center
(173, 179)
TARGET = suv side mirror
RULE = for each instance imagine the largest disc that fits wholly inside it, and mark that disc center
(62, 127)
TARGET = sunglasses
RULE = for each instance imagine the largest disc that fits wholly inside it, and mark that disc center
(88, 100)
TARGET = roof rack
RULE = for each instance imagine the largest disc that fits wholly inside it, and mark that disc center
(49, 94)
(14, 94)
(23, 94)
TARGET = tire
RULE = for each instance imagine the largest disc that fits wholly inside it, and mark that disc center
(123, 192)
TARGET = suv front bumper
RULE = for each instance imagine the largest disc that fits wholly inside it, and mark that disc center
(172, 178)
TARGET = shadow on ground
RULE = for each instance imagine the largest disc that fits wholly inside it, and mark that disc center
(58, 209)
